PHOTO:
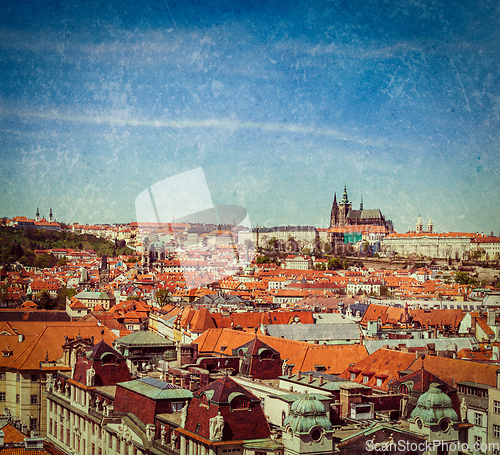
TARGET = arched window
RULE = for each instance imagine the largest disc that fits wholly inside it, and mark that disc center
(240, 402)
(266, 355)
(204, 400)
(109, 359)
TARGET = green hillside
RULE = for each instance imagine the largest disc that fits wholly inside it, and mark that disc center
(20, 244)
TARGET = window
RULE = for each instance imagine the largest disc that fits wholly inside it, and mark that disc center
(478, 419)
(33, 424)
(109, 360)
(34, 399)
(240, 402)
(34, 378)
(403, 389)
(496, 407)
(18, 398)
(353, 376)
(379, 382)
(366, 378)
(496, 431)
(478, 440)
(2, 376)
(18, 377)
(175, 407)
(2, 396)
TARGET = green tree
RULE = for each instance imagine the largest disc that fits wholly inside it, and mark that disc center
(263, 260)
(62, 261)
(44, 300)
(163, 297)
(4, 289)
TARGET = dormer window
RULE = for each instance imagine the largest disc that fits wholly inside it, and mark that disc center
(266, 355)
(240, 403)
(109, 360)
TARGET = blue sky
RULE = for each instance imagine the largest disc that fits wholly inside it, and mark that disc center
(280, 103)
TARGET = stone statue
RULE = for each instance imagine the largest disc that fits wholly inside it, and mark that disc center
(50, 382)
(184, 413)
(216, 427)
(284, 368)
(66, 390)
(173, 439)
(150, 432)
(404, 405)
(59, 385)
(90, 376)
(463, 410)
(73, 365)
(163, 435)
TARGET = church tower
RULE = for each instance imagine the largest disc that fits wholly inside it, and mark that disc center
(419, 226)
(344, 208)
(361, 204)
(104, 272)
(429, 225)
(51, 219)
(334, 217)
(37, 218)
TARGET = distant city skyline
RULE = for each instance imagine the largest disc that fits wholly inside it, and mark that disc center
(281, 104)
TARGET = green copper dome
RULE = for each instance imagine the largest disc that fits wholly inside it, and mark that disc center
(307, 413)
(433, 405)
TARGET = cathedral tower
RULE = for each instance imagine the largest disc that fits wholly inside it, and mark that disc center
(429, 226)
(334, 217)
(344, 208)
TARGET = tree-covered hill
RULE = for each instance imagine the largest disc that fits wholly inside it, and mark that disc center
(20, 244)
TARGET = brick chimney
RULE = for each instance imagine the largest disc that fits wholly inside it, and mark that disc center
(321, 380)
(311, 378)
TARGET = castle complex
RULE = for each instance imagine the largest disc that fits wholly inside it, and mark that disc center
(343, 215)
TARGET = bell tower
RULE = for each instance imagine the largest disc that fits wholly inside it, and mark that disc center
(344, 206)
(334, 217)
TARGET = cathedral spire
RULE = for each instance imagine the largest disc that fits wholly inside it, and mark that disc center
(429, 225)
(345, 199)
(361, 204)
(37, 218)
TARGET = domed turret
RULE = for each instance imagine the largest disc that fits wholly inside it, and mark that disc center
(306, 413)
(434, 405)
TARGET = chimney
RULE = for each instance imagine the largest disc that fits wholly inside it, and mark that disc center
(321, 380)
(310, 378)
(299, 375)
(21, 338)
